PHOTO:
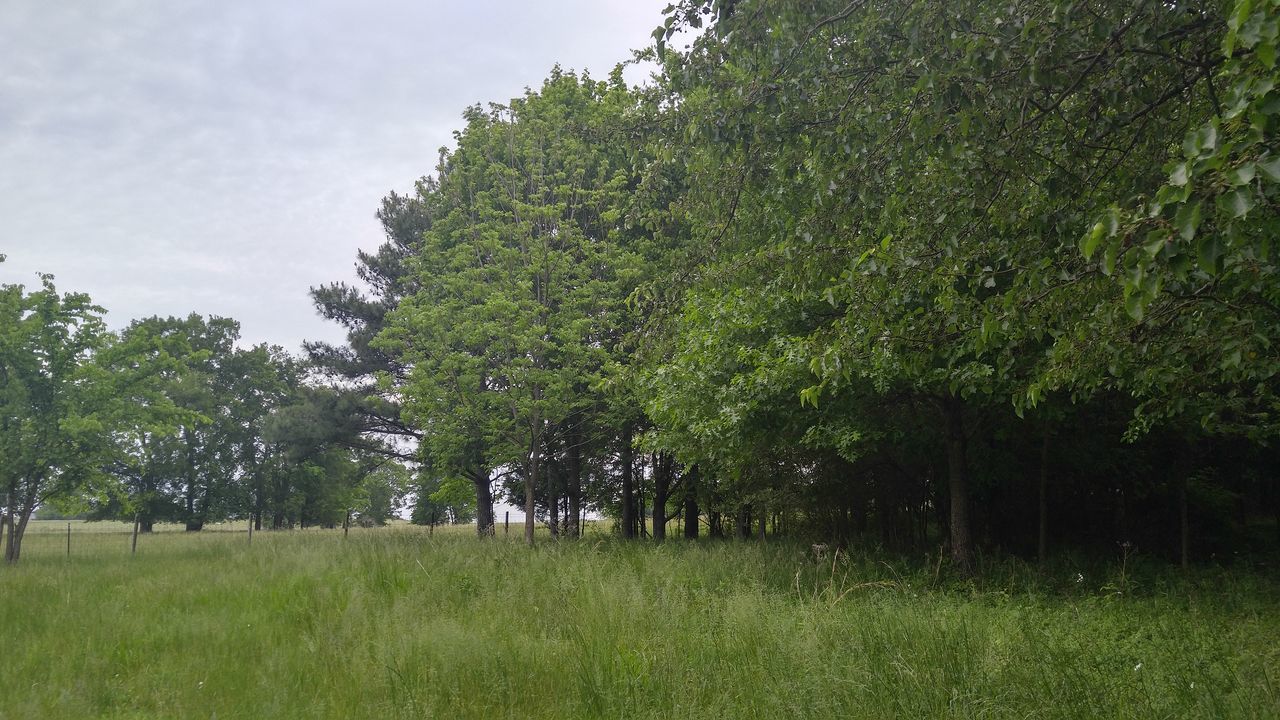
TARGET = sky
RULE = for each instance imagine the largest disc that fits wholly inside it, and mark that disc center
(221, 157)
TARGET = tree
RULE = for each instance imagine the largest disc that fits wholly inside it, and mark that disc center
(450, 501)
(370, 419)
(208, 464)
(923, 168)
(517, 277)
(382, 492)
(70, 397)
(1191, 245)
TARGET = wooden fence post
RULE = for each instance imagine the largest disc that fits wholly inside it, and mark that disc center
(68, 539)
(133, 550)
(506, 524)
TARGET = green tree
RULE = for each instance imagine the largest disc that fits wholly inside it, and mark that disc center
(1192, 243)
(923, 168)
(382, 493)
(450, 501)
(519, 276)
(358, 411)
(73, 400)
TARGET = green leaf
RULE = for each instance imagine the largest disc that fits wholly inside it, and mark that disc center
(1267, 55)
(1089, 243)
(1242, 175)
(1191, 145)
(1135, 305)
(1271, 169)
(1156, 240)
(1110, 255)
(1239, 14)
(1188, 220)
(1180, 175)
(1236, 203)
(1250, 33)
(1201, 142)
(1180, 264)
(1112, 219)
(1208, 250)
(809, 396)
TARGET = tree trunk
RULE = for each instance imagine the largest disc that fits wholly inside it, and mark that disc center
(6, 522)
(1185, 524)
(958, 476)
(691, 504)
(191, 523)
(642, 515)
(18, 532)
(744, 522)
(530, 488)
(662, 470)
(553, 501)
(191, 509)
(575, 481)
(1042, 550)
(762, 525)
(146, 524)
(484, 503)
(925, 483)
(628, 487)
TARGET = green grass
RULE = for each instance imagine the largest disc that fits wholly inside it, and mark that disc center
(391, 623)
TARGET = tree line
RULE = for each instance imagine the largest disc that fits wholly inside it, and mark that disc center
(983, 274)
(167, 420)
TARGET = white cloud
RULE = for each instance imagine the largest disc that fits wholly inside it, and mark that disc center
(222, 157)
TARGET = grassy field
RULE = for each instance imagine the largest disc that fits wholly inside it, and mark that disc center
(392, 623)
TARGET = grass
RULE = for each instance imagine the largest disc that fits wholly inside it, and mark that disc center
(393, 623)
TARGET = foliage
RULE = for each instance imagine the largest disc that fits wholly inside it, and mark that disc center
(451, 501)
(889, 196)
(520, 281)
(59, 409)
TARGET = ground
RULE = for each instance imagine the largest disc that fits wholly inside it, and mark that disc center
(398, 623)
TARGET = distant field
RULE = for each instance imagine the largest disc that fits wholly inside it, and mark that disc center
(392, 623)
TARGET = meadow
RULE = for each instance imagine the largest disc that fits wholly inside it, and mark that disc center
(399, 623)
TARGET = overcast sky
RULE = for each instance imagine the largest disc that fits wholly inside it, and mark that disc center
(171, 156)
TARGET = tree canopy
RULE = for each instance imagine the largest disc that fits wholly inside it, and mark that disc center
(982, 275)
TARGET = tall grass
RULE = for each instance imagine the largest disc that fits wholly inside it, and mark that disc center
(393, 623)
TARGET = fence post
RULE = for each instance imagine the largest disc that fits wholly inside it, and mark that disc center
(133, 550)
(506, 524)
(250, 528)
(68, 539)
(346, 524)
